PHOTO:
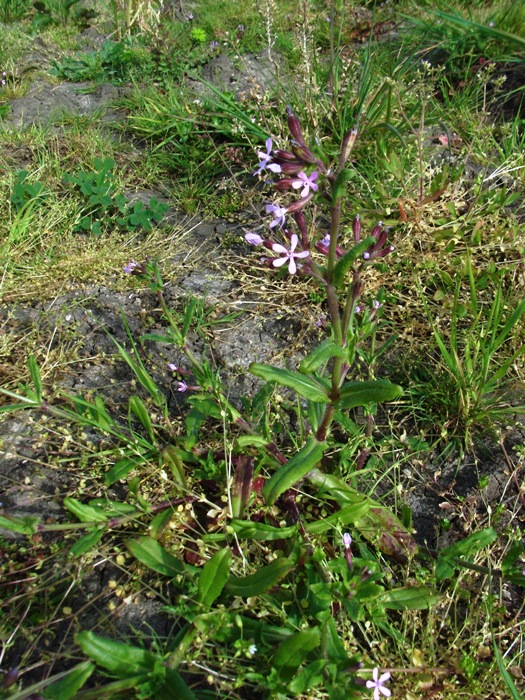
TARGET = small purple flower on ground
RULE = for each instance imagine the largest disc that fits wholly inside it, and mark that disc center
(253, 238)
(182, 386)
(130, 266)
(377, 684)
(173, 367)
(376, 304)
(266, 160)
(306, 182)
(214, 45)
(347, 540)
(289, 254)
(279, 214)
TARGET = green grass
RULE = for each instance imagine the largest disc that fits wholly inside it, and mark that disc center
(191, 499)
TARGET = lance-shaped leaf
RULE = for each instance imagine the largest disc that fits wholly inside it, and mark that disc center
(294, 470)
(339, 186)
(248, 530)
(381, 527)
(446, 563)
(34, 371)
(345, 263)
(27, 525)
(347, 514)
(137, 406)
(67, 688)
(152, 554)
(262, 580)
(305, 386)
(124, 466)
(409, 598)
(378, 524)
(213, 577)
(354, 394)
(172, 459)
(85, 543)
(117, 657)
(321, 354)
(294, 650)
(85, 513)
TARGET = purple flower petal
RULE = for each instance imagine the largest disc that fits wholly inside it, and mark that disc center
(253, 238)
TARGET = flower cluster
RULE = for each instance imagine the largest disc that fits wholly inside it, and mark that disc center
(300, 169)
(287, 255)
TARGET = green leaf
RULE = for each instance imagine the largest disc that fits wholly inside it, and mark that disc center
(446, 565)
(188, 316)
(294, 650)
(117, 657)
(294, 470)
(137, 406)
(387, 532)
(172, 459)
(354, 394)
(123, 467)
(213, 577)
(347, 514)
(35, 376)
(159, 523)
(262, 580)
(310, 677)
(85, 543)
(153, 555)
(509, 682)
(67, 687)
(409, 598)
(345, 263)
(321, 354)
(27, 525)
(305, 386)
(174, 687)
(85, 513)
(332, 646)
(337, 489)
(249, 530)
(339, 185)
(251, 440)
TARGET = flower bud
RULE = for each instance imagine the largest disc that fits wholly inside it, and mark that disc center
(295, 127)
(292, 168)
(377, 229)
(348, 145)
(300, 220)
(285, 183)
(299, 204)
(283, 156)
(356, 228)
(10, 678)
(305, 154)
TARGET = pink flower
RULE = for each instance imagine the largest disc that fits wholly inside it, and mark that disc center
(347, 540)
(266, 160)
(130, 266)
(279, 214)
(173, 367)
(289, 255)
(253, 238)
(307, 183)
(377, 684)
(182, 386)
